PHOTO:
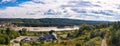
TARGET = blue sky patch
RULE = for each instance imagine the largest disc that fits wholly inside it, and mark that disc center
(11, 3)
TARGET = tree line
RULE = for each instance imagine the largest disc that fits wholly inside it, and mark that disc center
(60, 22)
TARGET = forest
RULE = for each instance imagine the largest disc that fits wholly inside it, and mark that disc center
(45, 22)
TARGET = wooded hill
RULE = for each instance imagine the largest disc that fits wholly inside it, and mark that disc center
(59, 22)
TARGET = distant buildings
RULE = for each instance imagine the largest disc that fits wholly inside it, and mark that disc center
(47, 37)
(50, 37)
(7, 24)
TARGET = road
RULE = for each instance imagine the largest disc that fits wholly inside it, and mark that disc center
(16, 44)
(104, 42)
(17, 39)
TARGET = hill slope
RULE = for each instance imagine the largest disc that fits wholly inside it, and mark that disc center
(49, 22)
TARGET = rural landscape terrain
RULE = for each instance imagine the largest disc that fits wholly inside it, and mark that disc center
(59, 22)
(17, 32)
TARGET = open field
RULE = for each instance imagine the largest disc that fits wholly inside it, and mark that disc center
(46, 28)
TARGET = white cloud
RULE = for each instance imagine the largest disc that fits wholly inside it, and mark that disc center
(75, 9)
(8, 1)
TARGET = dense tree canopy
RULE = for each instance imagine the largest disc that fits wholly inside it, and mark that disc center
(6, 34)
(60, 22)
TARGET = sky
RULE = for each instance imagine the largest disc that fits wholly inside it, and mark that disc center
(102, 10)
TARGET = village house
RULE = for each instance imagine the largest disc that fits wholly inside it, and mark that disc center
(50, 37)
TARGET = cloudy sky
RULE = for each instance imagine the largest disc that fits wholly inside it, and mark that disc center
(106, 10)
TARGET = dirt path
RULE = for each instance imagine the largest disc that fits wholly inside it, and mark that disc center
(18, 39)
(16, 44)
(104, 42)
